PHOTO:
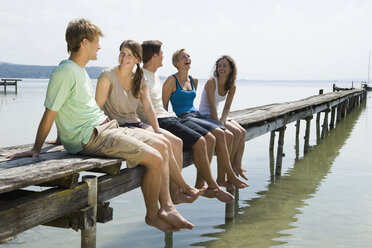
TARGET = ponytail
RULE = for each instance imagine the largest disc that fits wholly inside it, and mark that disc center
(138, 76)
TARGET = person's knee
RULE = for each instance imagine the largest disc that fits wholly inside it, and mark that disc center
(161, 146)
(218, 133)
(229, 135)
(153, 160)
(200, 144)
(210, 139)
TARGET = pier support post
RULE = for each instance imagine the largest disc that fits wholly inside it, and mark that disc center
(280, 154)
(343, 106)
(307, 133)
(88, 236)
(230, 207)
(325, 124)
(298, 123)
(272, 140)
(333, 114)
(318, 114)
(339, 109)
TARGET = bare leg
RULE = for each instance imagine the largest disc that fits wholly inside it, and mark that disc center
(204, 171)
(237, 164)
(181, 192)
(167, 211)
(224, 159)
(151, 190)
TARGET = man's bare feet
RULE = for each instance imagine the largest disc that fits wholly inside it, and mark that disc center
(234, 180)
(240, 171)
(210, 193)
(160, 224)
(226, 184)
(174, 218)
(191, 191)
(224, 196)
(180, 197)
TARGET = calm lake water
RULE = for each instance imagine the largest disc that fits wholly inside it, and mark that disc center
(322, 199)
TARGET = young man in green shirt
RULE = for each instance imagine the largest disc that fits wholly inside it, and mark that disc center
(84, 129)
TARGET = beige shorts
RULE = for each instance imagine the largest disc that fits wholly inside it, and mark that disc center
(113, 141)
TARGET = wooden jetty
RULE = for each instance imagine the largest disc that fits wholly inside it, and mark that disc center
(9, 82)
(65, 201)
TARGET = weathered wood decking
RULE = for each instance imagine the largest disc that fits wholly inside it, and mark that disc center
(66, 206)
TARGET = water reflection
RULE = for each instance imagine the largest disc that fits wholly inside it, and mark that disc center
(264, 219)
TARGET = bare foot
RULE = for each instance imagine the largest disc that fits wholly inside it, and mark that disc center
(237, 182)
(224, 196)
(174, 218)
(210, 193)
(240, 171)
(225, 184)
(160, 224)
(191, 191)
(180, 197)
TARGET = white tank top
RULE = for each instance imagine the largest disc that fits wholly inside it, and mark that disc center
(204, 105)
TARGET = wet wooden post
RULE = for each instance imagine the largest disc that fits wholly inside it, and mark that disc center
(88, 236)
(280, 154)
(318, 114)
(298, 123)
(339, 108)
(272, 140)
(325, 124)
(343, 109)
(307, 133)
(333, 113)
(230, 207)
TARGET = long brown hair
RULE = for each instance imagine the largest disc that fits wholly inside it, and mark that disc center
(136, 50)
(232, 76)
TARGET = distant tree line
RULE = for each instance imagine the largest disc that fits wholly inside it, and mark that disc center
(8, 70)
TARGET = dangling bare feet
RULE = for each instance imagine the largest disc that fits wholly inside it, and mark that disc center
(160, 224)
(174, 218)
(210, 193)
(240, 171)
(226, 184)
(180, 197)
(194, 192)
(224, 196)
(234, 180)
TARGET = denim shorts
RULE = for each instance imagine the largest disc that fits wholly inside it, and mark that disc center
(189, 132)
(205, 122)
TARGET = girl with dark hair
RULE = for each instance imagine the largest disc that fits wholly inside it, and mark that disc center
(119, 93)
(216, 90)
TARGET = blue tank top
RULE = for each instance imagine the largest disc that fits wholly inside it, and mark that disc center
(183, 100)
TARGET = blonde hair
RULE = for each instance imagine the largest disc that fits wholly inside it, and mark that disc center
(80, 29)
(175, 56)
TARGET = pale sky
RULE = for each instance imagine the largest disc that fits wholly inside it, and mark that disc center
(269, 39)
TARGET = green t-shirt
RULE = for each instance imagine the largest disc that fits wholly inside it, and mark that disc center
(70, 93)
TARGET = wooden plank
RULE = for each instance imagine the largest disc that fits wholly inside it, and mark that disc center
(38, 208)
(68, 182)
(111, 186)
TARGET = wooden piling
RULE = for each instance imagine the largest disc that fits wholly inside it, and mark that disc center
(88, 236)
(280, 154)
(325, 124)
(318, 114)
(230, 207)
(298, 123)
(272, 140)
(307, 133)
(332, 122)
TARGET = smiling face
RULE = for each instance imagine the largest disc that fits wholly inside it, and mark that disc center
(127, 59)
(223, 68)
(93, 47)
(184, 61)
